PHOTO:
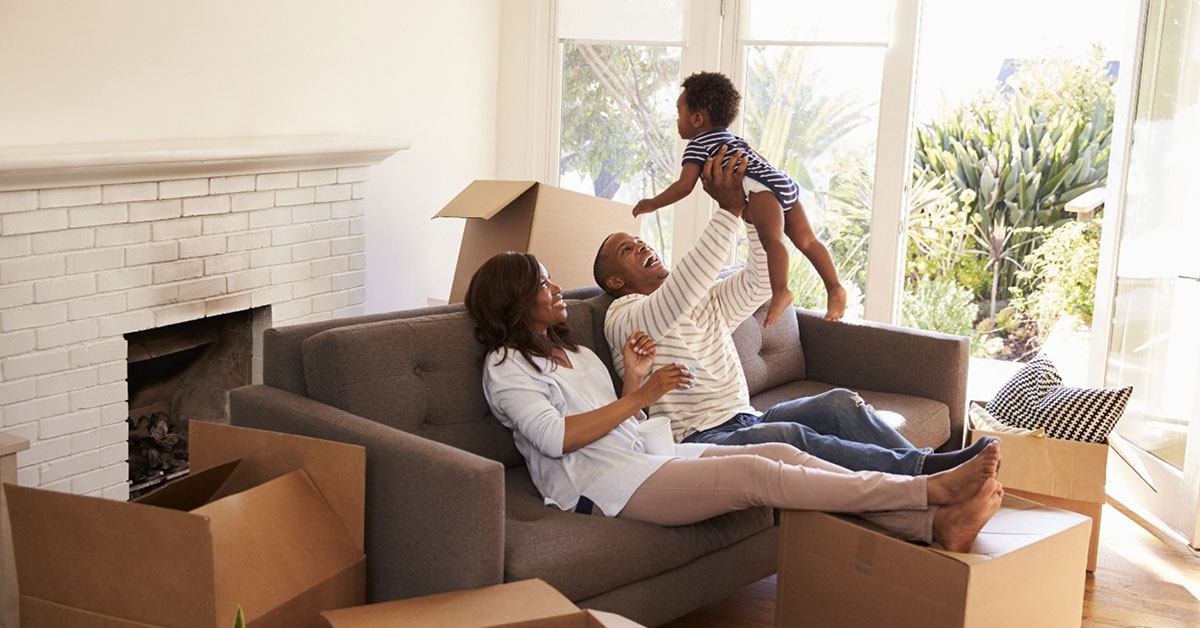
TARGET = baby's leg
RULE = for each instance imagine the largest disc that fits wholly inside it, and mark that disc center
(801, 234)
(766, 215)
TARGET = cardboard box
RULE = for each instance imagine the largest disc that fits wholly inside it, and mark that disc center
(268, 521)
(524, 604)
(1025, 570)
(562, 228)
(1064, 474)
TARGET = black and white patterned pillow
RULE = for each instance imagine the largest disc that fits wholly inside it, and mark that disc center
(1035, 398)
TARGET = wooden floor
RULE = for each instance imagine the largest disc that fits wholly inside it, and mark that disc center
(1141, 580)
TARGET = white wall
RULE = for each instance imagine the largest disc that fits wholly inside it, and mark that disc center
(84, 71)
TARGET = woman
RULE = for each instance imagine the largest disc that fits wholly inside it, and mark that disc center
(582, 447)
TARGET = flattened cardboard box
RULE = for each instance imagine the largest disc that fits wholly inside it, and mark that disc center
(524, 604)
(1061, 473)
(268, 521)
(1025, 570)
(562, 228)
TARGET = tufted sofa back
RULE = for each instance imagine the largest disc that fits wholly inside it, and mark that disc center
(421, 371)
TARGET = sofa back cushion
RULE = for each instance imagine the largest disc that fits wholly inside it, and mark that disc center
(421, 375)
(770, 356)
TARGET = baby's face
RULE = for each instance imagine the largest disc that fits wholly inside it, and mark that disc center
(684, 123)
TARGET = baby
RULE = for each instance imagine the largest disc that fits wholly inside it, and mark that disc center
(708, 104)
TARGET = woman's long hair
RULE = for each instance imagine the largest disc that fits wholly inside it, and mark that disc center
(499, 298)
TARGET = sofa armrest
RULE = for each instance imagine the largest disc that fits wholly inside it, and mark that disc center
(888, 358)
(434, 513)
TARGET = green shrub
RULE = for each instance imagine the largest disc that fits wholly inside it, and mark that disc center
(939, 305)
(1060, 276)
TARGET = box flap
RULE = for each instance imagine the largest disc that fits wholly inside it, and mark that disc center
(272, 543)
(192, 491)
(54, 532)
(1019, 523)
(348, 588)
(338, 470)
(37, 612)
(499, 605)
(1051, 466)
(484, 199)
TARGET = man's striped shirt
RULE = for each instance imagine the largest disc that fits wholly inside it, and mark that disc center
(691, 318)
(706, 145)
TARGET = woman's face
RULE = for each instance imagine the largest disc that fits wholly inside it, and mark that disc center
(548, 309)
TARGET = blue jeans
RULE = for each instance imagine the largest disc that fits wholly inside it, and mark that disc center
(835, 426)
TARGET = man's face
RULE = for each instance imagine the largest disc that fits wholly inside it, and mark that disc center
(635, 265)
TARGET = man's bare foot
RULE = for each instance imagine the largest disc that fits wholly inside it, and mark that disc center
(781, 301)
(956, 527)
(961, 482)
(835, 303)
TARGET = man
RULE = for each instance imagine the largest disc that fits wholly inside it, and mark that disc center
(691, 315)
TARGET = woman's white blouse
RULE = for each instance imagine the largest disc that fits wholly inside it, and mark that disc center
(534, 406)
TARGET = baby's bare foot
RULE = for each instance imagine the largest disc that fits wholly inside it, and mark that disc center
(835, 304)
(956, 527)
(961, 482)
(781, 301)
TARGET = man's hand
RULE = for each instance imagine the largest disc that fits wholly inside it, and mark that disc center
(644, 206)
(724, 182)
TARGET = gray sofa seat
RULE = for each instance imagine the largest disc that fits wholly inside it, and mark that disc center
(584, 556)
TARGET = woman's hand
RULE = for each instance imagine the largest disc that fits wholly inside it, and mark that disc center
(664, 380)
(639, 355)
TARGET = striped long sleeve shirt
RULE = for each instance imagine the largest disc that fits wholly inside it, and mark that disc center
(691, 318)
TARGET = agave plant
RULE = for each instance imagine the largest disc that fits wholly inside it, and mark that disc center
(1021, 166)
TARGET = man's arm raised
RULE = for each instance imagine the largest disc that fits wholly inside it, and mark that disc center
(696, 272)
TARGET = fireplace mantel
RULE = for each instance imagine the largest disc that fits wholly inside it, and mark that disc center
(29, 167)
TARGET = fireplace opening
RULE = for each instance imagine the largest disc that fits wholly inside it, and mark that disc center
(176, 374)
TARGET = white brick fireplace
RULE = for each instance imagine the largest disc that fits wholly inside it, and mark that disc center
(100, 241)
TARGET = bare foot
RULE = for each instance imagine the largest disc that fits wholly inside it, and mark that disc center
(961, 482)
(835, 304)
(781, 300)
(956, 527)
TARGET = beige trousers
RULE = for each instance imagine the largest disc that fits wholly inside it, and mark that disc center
(729, 478)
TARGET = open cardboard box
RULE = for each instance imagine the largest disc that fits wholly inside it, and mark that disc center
(270, 522)
(1025, 569)
(562, 228)
(1061, 473)
(524, 604)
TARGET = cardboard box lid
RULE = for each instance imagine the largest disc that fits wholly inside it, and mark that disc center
(484, 198)
(1018, 524)
(338, 470)
(273, 542)
(1051, 466)
(528, 602)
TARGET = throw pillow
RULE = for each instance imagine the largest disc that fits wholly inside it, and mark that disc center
(981, 419)
(1035, 398)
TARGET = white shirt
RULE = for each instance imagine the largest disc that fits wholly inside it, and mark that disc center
(535, 405)
(691, 318)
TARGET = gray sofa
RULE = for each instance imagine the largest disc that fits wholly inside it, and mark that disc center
(450, 504)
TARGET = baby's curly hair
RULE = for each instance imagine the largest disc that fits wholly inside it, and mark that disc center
(715, 94)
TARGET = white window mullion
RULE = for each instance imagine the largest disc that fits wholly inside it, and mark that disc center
(893, 159)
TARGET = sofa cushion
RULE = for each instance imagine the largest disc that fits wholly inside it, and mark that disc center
(770, 356)
(585, 555)
(924, 422)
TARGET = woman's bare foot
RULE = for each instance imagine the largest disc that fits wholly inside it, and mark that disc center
(961, 482)
(781, 300)
(956, 527)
